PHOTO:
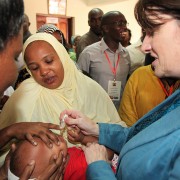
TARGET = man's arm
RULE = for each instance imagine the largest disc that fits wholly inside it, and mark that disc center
(84, 62)
(80, 47)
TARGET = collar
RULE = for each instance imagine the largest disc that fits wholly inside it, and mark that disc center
(11, 176)
(105, 47)
(93, 34)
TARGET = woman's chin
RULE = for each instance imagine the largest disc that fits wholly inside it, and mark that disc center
(158, 72)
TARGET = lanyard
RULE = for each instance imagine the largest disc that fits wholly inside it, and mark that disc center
(113, 69)
(165, 90)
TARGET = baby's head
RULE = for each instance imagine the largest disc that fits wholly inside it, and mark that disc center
(26, 152)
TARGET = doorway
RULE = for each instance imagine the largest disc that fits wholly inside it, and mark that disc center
(64, 23)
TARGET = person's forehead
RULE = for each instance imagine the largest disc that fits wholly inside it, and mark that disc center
(117, 17)
(38, 45)
(96, 14)
(120, 16)
(57, 35)
(38, 42)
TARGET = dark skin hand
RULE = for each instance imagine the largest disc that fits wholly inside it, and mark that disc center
(54, 171)
(26, 130)
(75, 135)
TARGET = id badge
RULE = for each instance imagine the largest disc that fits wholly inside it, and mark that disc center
(114, 90)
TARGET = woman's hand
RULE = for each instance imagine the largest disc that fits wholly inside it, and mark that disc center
(95, 152)
(54, 171)
(76, 118)
(26, 130)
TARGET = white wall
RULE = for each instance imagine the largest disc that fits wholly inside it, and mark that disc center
(80, 8)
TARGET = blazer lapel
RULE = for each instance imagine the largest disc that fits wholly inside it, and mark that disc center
(162, 127)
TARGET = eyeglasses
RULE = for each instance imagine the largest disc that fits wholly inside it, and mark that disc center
(120, 23)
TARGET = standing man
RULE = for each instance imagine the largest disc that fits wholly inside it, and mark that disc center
(94, 34)
(107, 61)
(26, 34)
(26, 24)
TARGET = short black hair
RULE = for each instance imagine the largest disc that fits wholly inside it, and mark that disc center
(11, 19)
(107, 17)
(94, 11)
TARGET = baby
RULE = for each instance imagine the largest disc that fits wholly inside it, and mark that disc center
(75, 167)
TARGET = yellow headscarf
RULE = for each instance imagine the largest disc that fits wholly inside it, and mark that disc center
(32, 102)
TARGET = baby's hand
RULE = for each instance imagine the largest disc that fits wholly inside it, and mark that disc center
(75, 134)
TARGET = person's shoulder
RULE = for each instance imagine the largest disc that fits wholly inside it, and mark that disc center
(124, 50)
(84, 36)
(29, 81)
(92, 47)
(84, 41)
(90, 37)
(135, 45)
(27, 87)
(125, 54)
(143, 71)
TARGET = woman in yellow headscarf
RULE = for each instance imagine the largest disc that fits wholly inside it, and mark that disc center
(55, 85)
